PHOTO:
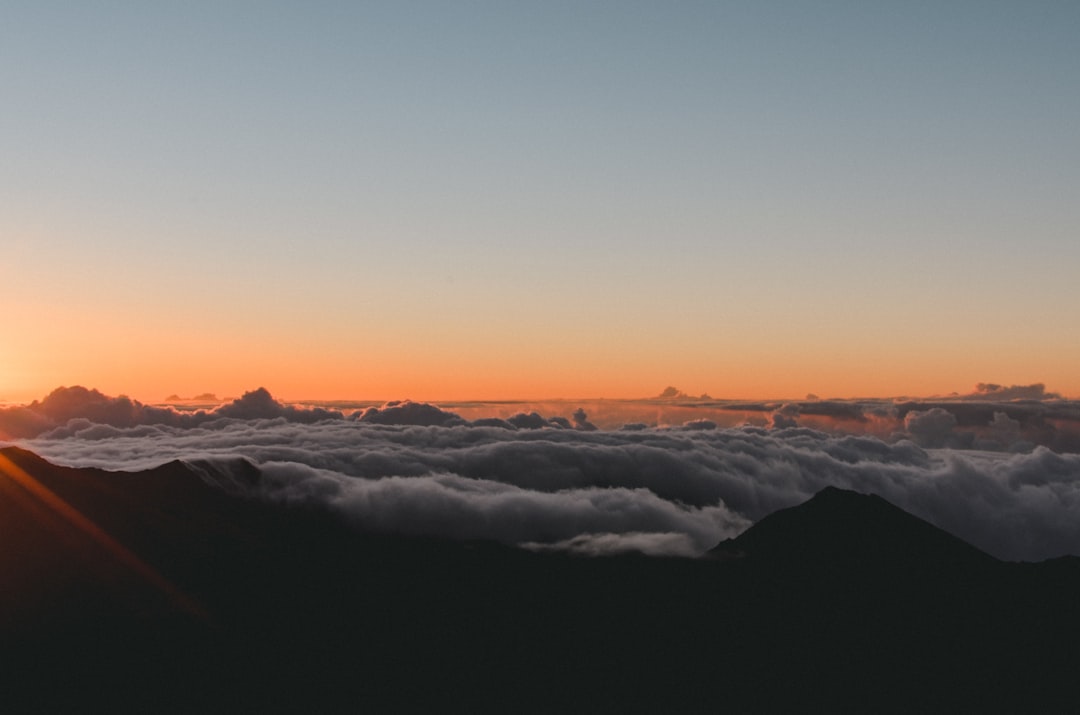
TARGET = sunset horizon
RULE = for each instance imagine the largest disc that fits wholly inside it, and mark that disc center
(163, 397)
(412, 356)
(531, 203)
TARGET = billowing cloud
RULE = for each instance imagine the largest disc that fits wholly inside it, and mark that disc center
(410, 413)
(67, 409)
(581, 421)
(930, 428)
(67, 403)
(1054, 423)
(467, 508)
(260, 405)
(570, 488)
(1003, 434)
(785, 417)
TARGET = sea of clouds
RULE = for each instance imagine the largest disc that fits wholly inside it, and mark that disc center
(562, 483)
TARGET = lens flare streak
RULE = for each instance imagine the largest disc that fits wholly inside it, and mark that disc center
(121, 553)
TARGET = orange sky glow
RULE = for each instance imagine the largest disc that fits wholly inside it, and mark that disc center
(158, 363)
(758, 202)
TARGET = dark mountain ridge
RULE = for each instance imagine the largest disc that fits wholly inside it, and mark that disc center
(844, 603)
(838, 526)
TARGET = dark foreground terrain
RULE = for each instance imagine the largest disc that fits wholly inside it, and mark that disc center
(157, 592)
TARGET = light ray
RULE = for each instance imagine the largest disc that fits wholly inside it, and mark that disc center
(55, 504)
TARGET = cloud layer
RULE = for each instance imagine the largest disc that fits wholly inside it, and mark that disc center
(993, 418)
(658, 491)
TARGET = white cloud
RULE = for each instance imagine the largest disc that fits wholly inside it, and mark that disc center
(554, 485)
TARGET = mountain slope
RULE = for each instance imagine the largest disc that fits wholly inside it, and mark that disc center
(844, 528)
(842, 604)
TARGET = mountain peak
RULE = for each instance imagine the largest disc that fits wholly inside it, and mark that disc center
(843, 527)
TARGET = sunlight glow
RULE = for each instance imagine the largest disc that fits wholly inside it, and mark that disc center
(49, 499)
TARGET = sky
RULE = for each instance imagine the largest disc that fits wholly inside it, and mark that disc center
(503, 200)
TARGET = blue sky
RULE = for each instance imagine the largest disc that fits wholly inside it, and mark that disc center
(660, 192)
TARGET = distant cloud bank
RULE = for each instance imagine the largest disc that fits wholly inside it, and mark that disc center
(1017, 418)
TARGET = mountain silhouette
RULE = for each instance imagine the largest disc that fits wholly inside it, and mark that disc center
(842, 528)
(195, 599)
